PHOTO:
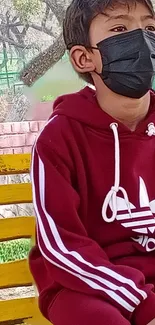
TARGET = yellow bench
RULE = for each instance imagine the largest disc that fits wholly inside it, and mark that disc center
(17, 274)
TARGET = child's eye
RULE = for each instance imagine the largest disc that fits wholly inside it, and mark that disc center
(150, 28)
(119, 29)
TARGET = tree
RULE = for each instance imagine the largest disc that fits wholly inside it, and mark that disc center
(53, 54)
(27, 27)
(21, 20)
(31, 30)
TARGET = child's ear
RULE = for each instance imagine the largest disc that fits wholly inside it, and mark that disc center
(81, 59)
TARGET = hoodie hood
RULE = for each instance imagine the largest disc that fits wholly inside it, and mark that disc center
(83, 107)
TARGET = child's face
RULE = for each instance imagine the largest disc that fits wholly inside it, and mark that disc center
(115, 22)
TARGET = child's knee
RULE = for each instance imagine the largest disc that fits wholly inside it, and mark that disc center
(73, 308)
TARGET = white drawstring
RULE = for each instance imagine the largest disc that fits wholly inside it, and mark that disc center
(112, 194)
(151, 130)
(111, 198)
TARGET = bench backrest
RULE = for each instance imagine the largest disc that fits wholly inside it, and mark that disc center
(17, 274)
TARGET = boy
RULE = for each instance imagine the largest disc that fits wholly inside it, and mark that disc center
(93, 173)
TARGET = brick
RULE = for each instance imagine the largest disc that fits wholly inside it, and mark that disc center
(30, 139)
(34, 126)
(41, 125)
(18, 151)
(5, 141)
(18, 140)
(5, 128)
(11, 141)
(20, 127)
(27, 149)
(7, 151)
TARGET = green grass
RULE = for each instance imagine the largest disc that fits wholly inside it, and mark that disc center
(14, 250)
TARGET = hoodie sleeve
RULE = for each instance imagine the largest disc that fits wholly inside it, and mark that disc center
(72, 258)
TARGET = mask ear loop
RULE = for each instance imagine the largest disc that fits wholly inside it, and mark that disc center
(70, 45)
(99, 74)
(94, 48)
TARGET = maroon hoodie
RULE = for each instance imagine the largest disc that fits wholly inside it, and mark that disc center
(94, 197)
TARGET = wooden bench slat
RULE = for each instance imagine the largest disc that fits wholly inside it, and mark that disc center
(14, 164)
(19, 227)
(15, 274)
(16, 309)
(38, 318)
(15, 193)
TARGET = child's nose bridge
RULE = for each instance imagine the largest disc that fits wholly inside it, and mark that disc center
(136, 24)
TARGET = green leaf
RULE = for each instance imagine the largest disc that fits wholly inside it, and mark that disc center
(27, 8)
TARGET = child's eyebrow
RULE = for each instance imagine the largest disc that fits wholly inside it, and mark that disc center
(146, 17)
(128, 17)
(116, 17)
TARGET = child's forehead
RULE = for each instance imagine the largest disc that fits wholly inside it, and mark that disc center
(126, 12)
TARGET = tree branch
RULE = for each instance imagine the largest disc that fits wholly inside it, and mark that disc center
(42, 29)
(10, 25)
(11, 42)
(46, 16)
(15, 18)
(57, 8)
(43, 62)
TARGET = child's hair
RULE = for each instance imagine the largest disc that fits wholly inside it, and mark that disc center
(79, 16)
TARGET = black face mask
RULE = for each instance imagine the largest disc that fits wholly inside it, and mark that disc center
(128, 62)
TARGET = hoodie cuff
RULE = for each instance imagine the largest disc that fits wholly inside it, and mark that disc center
(145, 312)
